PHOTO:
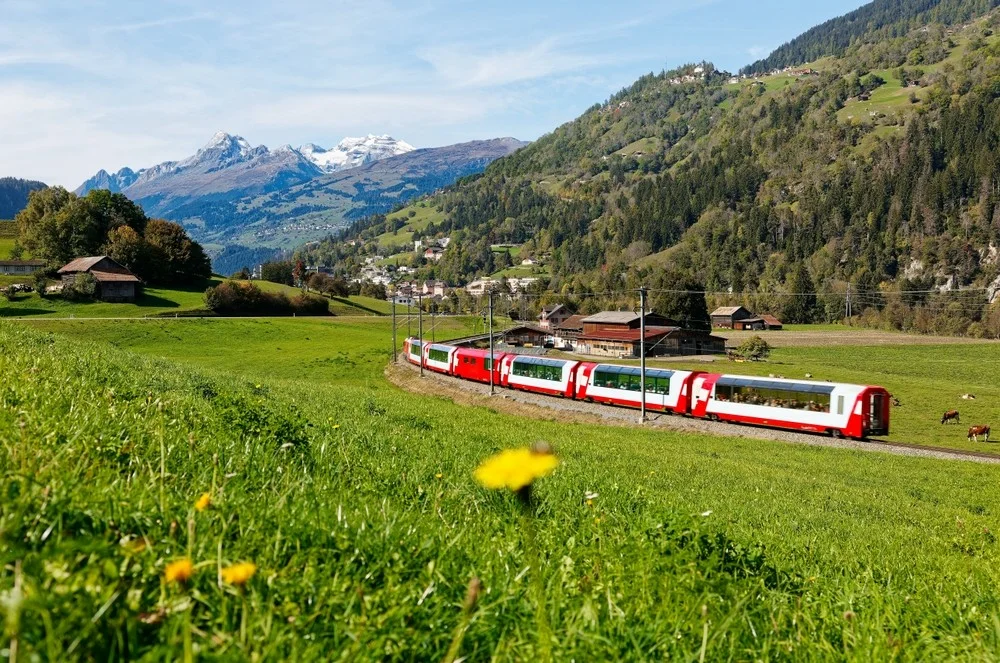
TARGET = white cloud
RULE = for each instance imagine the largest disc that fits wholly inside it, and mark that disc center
(461, 68)
(335, 110)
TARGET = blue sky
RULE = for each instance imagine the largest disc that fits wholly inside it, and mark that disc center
(90, 84)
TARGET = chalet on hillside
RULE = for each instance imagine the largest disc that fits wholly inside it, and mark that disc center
(20, 267)
(726, 316)
(115, 283)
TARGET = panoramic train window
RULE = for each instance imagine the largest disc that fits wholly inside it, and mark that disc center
(539, 369)
(813, 398)
(438, 355)
(628, 378)
(415, 348)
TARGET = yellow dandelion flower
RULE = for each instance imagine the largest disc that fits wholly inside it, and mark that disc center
(179, 570)
(203, 502)
(238, 574)
(515, 469)
(438, 475)
(336, 426)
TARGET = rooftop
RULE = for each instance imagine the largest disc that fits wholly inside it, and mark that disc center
(81, 264)
(18, 263)
(572, 322)
(629, 335)
(727, 310)
(109, 277)
(612, 317)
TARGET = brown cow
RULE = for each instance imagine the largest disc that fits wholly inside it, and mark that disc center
(950, 415)
(976, 431)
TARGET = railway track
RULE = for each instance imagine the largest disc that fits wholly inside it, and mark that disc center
(520, 403)
(964, 453)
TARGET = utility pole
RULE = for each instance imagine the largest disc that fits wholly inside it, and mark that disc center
(642, 352)
(848, 303)
(491, 342)
(420, 331)
(394, 330)
(433, 314)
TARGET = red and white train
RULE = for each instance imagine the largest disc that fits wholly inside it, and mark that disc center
(840, 410)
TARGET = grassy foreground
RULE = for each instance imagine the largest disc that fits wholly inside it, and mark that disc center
(357, 504)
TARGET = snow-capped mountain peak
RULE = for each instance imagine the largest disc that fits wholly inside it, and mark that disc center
(225, 152)
(353, 152)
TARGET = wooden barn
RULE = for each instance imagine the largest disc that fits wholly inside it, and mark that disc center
(115, 283)
(726, 317)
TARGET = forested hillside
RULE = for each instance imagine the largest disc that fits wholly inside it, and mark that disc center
(876, 21)
(876, 170)
(14, 195)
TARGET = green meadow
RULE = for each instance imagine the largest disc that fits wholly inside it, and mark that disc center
(160, 302)
(356, 503)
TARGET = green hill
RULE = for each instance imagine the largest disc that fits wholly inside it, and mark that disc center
(877, 21)
(871, 168)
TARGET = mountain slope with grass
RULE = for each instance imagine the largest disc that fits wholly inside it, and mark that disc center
(874, 168)
(877, 21)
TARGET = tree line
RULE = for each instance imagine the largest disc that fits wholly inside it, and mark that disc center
(58, 226)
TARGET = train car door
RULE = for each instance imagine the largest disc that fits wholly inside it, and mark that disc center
(878, 414)
(701, 392)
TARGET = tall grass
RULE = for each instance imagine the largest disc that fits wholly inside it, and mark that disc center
(357, 504)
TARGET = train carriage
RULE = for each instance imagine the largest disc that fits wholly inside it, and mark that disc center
(666, 390)
(476, 365)
(555, 377)
(412, 350)
(842, 410)
(439, 357)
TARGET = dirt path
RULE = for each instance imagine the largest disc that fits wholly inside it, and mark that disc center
(791, 339)
(535, 406)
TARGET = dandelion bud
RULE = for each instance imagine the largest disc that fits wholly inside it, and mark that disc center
(542, 448)
(848, 615)
(472, 594)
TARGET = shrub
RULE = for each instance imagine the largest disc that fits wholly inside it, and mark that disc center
(41, 282)
(245, 298)
(754, 349)
(309, 305)
(83, 288)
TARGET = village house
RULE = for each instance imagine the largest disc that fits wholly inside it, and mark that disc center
(568, 332)
(528, 336)
(552, 315)
(20, 267)
(725, 316)
(521, 284)
(115, 283)
(619, 334)
(434, 288)
(433, 253)
(481, 286)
